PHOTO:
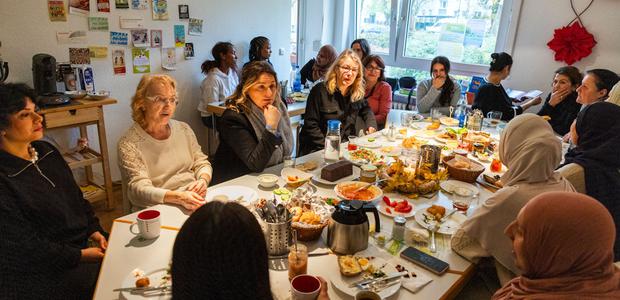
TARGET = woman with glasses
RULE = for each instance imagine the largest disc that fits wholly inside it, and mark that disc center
(441, 90)
(316, 68)
(378, 91)
(255, 129)
(339, 97)
(159, 158)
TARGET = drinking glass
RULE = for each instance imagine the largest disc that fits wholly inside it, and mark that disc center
(435, 114)
(461, 199)
(297, 261)
(493, 118)
(352, 146)
(289, 162)
(406, 119)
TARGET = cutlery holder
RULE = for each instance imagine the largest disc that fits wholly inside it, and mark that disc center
(278, 237)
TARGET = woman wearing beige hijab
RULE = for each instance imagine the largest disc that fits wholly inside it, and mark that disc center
(563, 244)
(614, 95)
(530, 150)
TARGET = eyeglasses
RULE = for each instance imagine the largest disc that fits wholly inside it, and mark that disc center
(372, 69)
(174, 100)
(347, 69)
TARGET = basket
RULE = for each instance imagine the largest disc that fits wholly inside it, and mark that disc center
(466, 175)
(308, 233)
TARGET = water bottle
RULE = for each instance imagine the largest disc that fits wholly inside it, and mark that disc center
(332, 141)
(461, 111)
(297, 83)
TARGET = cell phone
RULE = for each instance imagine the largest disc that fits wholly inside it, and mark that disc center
(424, 260)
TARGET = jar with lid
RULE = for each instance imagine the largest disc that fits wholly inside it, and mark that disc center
(369, 173)
(332, 141)
(474, 120)
(398, 230)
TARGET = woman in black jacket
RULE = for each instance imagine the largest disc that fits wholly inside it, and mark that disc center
(561, 104)
(45, 222)
(339, 97)
(255, 129)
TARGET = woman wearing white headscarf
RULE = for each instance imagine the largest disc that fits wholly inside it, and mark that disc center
(530, 150)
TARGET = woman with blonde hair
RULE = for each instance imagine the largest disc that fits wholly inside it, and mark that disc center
(255, 129)
(339, 97)
(159, 158)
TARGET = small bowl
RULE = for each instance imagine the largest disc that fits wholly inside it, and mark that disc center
(76, 94)
(301, 177)
(267, 180)
(377, 192)
(99, 95)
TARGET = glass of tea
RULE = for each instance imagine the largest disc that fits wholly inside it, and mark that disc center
(461, 199)
(352, 146)
(496, 164)
(297, 261)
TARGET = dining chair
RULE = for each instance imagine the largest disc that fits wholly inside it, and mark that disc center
(393, 83)
(408, 82)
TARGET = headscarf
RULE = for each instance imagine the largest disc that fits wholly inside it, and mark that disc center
(614, 95)
(598, 152)
(329, 53)
(566, 248)
(257, 119)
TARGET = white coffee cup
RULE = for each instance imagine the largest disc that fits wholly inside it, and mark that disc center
(305, 287)
(149, 224)
(367, 295)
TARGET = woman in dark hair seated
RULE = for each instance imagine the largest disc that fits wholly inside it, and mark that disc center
(441, 90)
(260, 50)
(493, 97)
(220, 253)
(361, 48)
(45, 222)
(596, 86)
(561, 104)
(315, 69)
(378, 91)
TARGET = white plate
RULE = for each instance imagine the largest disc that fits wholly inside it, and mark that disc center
(450, 184)
(356, 174)
(448, 227)
(381, 207)
(232, 192)
(301, 175)
(154, 278)
(365, 143)
(342, 282)
(449, 121)
(378, 192)
(380, 158)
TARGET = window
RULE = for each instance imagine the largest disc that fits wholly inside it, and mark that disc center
(409, 33)
(294, 23)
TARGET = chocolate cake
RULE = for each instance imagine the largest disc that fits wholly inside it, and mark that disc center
(337, 170)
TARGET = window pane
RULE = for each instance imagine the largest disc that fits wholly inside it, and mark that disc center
(463, 30)
(373, 24)
(293, 57)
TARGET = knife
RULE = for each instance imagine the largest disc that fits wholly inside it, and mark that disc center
(374, 280)
(142, 289)
(445, 218)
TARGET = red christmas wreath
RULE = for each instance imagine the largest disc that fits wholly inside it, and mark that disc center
(572, 43)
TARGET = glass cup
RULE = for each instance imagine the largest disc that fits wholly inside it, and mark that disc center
(352, 146)
(297, 261)
(406, 119)
(289, 162)
(493, 118)
(461, 199)
(435, 114)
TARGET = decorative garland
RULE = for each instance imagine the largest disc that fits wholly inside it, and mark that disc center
(573, 42)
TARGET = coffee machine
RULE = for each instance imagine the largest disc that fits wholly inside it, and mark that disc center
(44, 79)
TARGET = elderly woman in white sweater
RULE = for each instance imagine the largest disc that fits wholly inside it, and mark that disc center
(159, 158)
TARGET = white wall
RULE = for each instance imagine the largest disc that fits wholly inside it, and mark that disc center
(25, 30)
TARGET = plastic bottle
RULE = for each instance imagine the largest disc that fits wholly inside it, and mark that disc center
(461, 111)
(297, 82)
(332, 141)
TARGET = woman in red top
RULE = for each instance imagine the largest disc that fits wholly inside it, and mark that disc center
(378, 91)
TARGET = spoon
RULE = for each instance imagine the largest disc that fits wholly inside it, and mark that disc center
(433, 227)
(367, 185)
(280, 210)
(271, 209)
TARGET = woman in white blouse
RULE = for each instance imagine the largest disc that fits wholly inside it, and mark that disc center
(159, 158)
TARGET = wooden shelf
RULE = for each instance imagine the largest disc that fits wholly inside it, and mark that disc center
(93, 192)
(81, 159)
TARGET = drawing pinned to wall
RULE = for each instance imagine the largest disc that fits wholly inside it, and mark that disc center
(98, 51)
(103, 5)
(79, 56)
(169, 58)
(71, 37)
(140, 60)
(194, 27)
(183, 12)
(118, 38)
(156, 38)
(121, 4)
(98, 24)
(79, 7)
(118, 61)
(140, 4)
(189, 51)
(56, 10)
(179, 36)
(160, 9)
(140, 37)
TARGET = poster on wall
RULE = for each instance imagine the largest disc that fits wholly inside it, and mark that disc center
(194, 27)
(71, 37)
(118, 38)
(189, 51)
(160, 9)
(131, 23)
(140, 37)
(140, 4)
(103, 5)
(57, 11)
(156, 38)
(179, 36)
(169, 58)
(140, 60)
(118, 61)
(183, 12)
(98, 51)
(98, 23)
(79, 56)
(79, 7)
(121, 4)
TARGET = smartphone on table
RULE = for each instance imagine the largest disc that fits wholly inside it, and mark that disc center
(424, 260)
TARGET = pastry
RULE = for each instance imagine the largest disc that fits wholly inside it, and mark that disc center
(348, 265)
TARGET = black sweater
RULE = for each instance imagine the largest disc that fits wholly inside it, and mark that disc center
(563, 114)
(323, 106)
(306, 71)
(44, 223)
(492, 97)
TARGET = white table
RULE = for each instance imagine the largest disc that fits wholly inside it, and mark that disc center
(126, 253)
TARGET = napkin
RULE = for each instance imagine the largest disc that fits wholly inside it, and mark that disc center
(417, 279)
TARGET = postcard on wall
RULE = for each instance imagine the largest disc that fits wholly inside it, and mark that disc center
(140, 60)
(71, 37)
(79, 7)
(169, 58)
(98, 24)
(183, 12)
(160, 9)
(131, 23)
(79, 56)
(140, 4)
(121, 4)
(189, 51)
(156, 38)
(140, 37)
(103, 5)
(118, 38)
(179, 36)
(194, 27)
(98, 51)
(118, 61)
(56, 9)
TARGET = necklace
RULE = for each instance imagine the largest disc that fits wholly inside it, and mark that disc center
(34, 155)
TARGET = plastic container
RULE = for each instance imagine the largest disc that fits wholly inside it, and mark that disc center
(297, 82)
(332, 141)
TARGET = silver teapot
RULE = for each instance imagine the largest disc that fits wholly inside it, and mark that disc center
(347, 232)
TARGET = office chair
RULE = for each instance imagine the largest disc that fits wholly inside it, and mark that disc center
(408, 82)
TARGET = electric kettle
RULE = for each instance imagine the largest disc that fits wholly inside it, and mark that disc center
(347, 232)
